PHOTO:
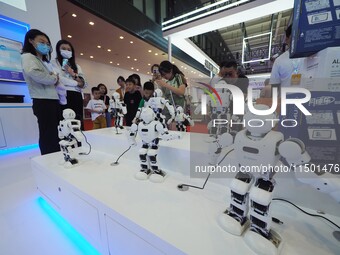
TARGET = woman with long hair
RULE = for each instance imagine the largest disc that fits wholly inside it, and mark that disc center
(72, 77)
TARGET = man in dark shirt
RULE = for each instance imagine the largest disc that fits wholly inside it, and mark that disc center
(131, 99)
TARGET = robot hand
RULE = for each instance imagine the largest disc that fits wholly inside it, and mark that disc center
(132, 134)
(191, 122)
(167, 136)
(170, 120)
(78, 135)
(293, 150)
(197, 109)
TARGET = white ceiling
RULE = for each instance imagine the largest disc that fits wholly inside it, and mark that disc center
(86, 38)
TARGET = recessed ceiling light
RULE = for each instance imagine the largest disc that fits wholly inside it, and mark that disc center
(121, 37)
(149, 64)
(69, 36)
(148, 72)
(156, 54)
(181, 66)
(132, 68)
(135, 59)
(117, 64)
(185, 68)
(98, 46)
(74, 15)
(173, 62)
(131, 41)
(91, 23)
(91, 56)
(111, 62)
(81, 54)
(128, 56)
(149, 50)
(109, 50)
(137, 69)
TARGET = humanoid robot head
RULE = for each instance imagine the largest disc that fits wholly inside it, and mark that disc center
(69, 114)
(158, 93)
(147, 115)
(179, 110)
(259, 125)
(115, 96)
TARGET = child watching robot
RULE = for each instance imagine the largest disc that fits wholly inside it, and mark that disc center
(131, 99)
(97, 108)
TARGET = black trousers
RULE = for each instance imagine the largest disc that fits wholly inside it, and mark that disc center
(75, 102)
(48, 113)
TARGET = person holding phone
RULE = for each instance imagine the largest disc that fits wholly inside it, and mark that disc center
(72, 77)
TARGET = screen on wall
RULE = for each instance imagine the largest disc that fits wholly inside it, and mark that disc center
(10, 60)
(20, 4)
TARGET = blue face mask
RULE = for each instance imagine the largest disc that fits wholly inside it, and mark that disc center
(43, 48)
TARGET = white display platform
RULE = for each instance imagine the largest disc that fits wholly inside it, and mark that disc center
(118, 214)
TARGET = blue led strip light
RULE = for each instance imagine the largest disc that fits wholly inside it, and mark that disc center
(18, 149)
(79, 241)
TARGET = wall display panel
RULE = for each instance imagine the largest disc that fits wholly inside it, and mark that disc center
(316, 26)
(10, 60)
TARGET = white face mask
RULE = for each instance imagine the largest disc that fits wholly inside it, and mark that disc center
(66, 54)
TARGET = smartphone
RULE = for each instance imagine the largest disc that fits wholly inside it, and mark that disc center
(65, 62)
(156, 71)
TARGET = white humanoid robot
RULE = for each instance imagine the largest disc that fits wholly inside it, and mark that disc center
(257, 146)
(157, 103)
(219, 111)
(150, 131)
(70, 134)
(182, 120)
(117, 109)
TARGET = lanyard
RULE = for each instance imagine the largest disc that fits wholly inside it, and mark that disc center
(296, 64)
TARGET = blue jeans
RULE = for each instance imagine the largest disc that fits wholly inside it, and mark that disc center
(108, 119)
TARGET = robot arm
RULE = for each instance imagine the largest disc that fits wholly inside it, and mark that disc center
(165, 135)
(123, 108)
(170, 108)
(293, 150)
(216, 147)
(188, 118)
(74, 127)
(111, 106)
(132, 134)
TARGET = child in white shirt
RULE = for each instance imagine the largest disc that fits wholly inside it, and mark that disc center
(97, 108)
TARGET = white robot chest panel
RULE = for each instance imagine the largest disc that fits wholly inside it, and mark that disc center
(147, 132)
(179, 117)
(156, 103)
(257, 152)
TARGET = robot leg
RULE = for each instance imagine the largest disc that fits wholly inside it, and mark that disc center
(234, 220)
(66, 148)
(120, 121)
(260, 237)
(157, 174)
(144, 173)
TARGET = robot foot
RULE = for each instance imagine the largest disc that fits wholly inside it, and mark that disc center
(71, 163)
(143, 174)
(262, 245)
(158, 176)
(231, 225)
